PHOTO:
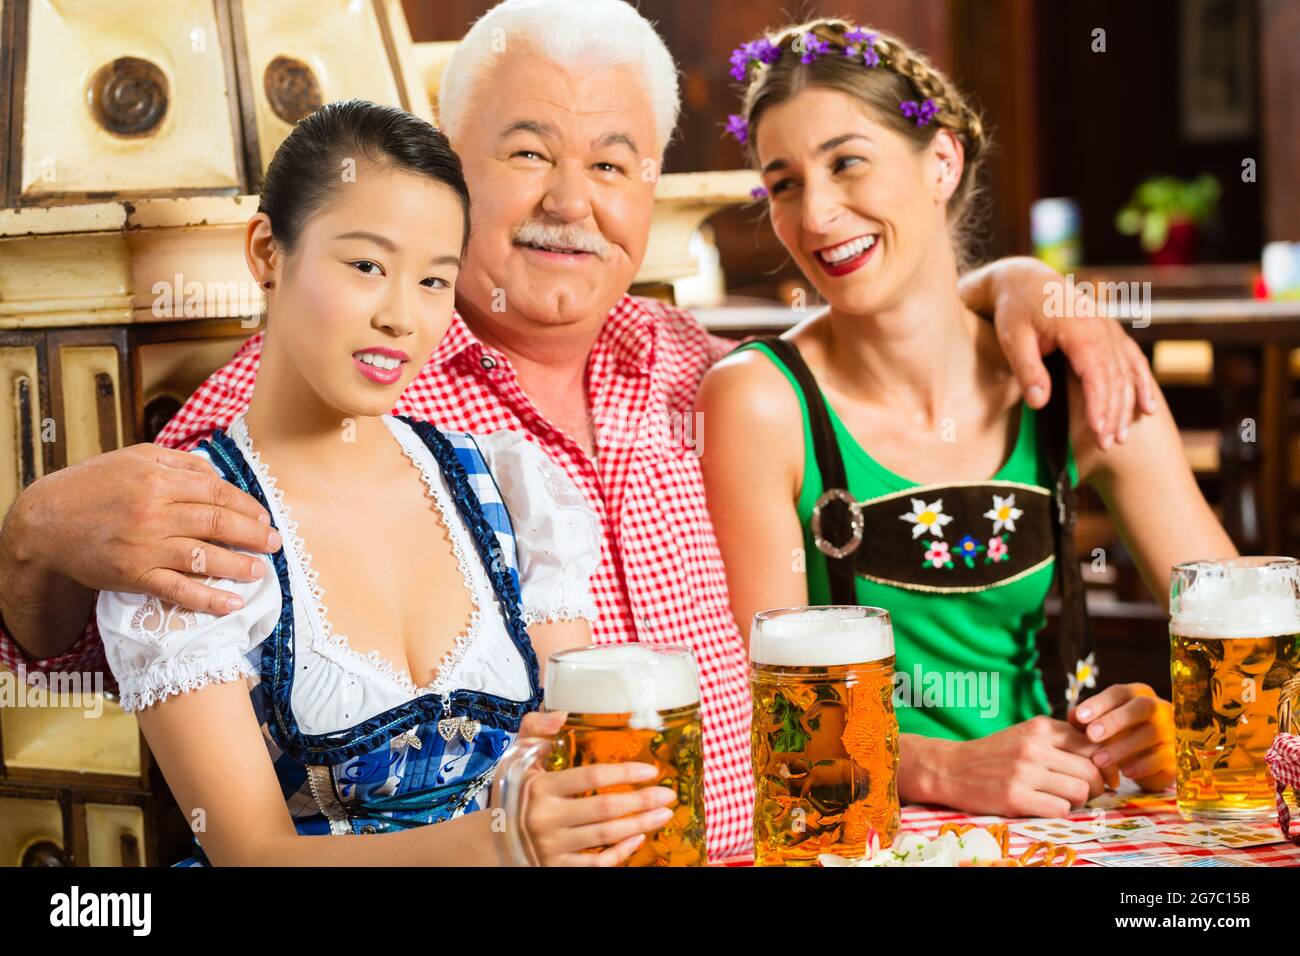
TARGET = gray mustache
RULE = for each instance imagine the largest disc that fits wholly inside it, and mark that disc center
(561, 237)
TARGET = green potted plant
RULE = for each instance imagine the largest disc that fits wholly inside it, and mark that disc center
(1165, 213)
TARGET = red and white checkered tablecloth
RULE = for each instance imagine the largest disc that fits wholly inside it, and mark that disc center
(1159, 807)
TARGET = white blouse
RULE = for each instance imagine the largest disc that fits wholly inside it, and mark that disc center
(156, 649)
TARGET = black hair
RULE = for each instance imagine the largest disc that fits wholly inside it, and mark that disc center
(306, 170)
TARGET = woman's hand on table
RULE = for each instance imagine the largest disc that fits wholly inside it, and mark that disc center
(1133, 730)
(561, 823)
(1038, 768)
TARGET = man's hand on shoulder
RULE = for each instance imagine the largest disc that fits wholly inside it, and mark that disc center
(1021, 292)
(143, 519)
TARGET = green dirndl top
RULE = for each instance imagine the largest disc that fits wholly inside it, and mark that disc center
(965, 615)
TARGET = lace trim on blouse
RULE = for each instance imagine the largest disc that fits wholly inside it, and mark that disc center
(169, 678)
(338, 644)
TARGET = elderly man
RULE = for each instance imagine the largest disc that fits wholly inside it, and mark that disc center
(559, 108)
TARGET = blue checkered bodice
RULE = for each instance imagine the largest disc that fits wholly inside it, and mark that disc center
(430, 758)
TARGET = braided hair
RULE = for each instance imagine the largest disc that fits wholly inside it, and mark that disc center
(899, 74)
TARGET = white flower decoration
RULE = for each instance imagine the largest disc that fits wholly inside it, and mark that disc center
(926, 518)
(1085, 675)
(1004, 513)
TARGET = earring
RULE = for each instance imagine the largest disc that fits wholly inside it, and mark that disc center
(267, 284)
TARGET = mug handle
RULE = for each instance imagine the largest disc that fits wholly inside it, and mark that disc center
(510, 791)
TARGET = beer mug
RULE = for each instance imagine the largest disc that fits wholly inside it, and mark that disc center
(1233, 626)
(625, 703)
(825, 736)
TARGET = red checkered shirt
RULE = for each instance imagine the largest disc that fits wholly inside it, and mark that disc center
(661, 577)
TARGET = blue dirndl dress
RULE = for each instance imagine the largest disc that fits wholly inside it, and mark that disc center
(429, 759)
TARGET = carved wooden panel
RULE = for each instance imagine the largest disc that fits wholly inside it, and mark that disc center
(32, 832)
(85, 734)
(87, 398)
(115, 834)
(21, 456)
(128, 97)
(295, 55)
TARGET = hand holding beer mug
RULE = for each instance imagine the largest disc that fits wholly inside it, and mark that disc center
(627, 706)
(825, 735)
(1233, 633)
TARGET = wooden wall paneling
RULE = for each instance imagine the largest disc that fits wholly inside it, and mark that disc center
(87, 377)
(24, 406)
(1279, 169)
(6, 63)
(15, 25)
(236, 95)
(995, 64)
(251, 145)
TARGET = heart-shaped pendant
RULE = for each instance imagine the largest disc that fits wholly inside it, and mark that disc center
(469, 729)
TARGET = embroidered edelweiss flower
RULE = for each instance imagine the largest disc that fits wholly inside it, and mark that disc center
(1004, 513)
(1085, 675)
(937, 554)
(997, 550)
(926, 518)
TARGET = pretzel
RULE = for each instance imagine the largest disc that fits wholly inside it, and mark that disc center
(1051, 852)
(1001, 833)
(998, 831)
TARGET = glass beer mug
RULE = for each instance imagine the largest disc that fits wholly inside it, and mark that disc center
(1233, 629)
(825, 735)
(626, 702)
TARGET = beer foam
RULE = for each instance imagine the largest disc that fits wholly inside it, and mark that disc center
(821, 637)
(1231, 606)
(621, 679)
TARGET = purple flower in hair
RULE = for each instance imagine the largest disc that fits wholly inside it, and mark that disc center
(739, 63)
(738, 127)
(758, 192)
(921, 112)
(861, 43)
(761, 51)
(813, 47)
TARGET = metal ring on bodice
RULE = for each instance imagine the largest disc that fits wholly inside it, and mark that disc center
(857, 523)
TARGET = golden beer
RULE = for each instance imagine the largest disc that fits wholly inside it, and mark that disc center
(825, 736)
(1233, 636)
(636, 703)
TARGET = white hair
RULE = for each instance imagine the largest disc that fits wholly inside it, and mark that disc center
(602, 33)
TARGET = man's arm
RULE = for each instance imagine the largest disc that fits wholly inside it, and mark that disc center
(1118, 386)
(138, 519)
(43, 613)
